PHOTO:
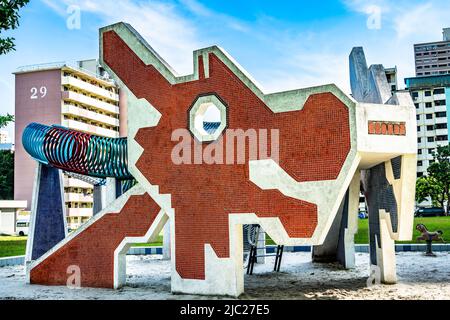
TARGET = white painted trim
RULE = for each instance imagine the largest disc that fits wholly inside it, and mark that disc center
(352, 220)
(34, 202)
(277, 102)
(196, 108)
(113, 208)
(121, 251)
(267, 174)
(386, 255)
(63, 202)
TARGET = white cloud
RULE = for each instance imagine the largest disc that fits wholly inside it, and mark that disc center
(172, 35)
(197, 8)
(55, 6)
(408, 18)
(208, 16)
(422, 21)
(301, 68)
(405, 22)
(297, 57)
(363, 6)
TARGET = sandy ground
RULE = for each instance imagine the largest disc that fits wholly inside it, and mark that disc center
(419, 277)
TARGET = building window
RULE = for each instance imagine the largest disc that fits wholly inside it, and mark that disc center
(430, 128)
(439, 91)
(419, 163)
(418, 128)
(429, 116)
(439, 103)
(428, 105)
(441, 138)
(431, 151)
(418, 117)
(419, 140)
(441, 114)
(441, 126)
(417, 105)
(419, 174)
(419, 151)
(430, 139)
(415, 94)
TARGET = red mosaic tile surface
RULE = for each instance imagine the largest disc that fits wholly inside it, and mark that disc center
(93, 249)
(314, 144)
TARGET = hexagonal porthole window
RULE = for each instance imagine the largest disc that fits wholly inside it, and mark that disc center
(207, 118)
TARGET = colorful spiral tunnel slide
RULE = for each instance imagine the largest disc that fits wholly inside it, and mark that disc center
(77, 152)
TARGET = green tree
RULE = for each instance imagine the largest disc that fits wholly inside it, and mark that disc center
(436, 184)
(428, 187)
(4, 120)
(9, 19)
(6, 175)
(439, 172)
(6, 166)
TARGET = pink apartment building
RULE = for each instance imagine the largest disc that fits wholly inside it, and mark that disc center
(79, 97)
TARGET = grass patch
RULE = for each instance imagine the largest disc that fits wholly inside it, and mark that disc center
(15, 246)
(12, 246)
(157, 243)
(432, 223)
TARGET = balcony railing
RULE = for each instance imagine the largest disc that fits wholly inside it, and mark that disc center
(78, 197)
(80, 112)
(68, 80)
(80, 98)
(79, 212)
(89, 128)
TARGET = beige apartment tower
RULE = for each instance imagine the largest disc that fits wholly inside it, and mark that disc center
(433, 58)
(80, 97)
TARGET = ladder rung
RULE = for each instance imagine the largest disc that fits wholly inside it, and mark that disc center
(265, 255)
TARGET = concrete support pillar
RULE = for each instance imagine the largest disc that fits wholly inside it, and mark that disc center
(110, 189)
(327, 252)
(166, 241)
(99, 198)
(118, 188)
(385, 252)
(383, 187)
(349, 227)
(48, 224)
(261, 245)
(339, 245)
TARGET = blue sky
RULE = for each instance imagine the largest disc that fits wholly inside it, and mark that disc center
(283, 44)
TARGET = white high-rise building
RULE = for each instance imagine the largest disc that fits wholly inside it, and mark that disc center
(4, 137)
(431, 96)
